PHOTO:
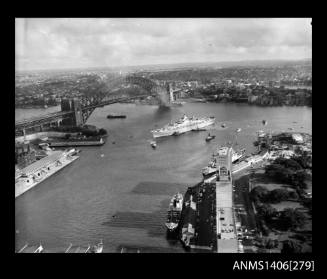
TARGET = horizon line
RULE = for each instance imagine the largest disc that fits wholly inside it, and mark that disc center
(164, 64)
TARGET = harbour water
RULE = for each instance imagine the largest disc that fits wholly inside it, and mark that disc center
(120, 192)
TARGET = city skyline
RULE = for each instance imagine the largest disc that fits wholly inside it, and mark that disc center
(53, 43)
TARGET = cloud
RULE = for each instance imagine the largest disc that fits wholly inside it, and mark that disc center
(88, 42)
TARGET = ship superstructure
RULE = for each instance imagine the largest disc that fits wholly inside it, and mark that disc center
(212, 166)
(183, 125)
(174, 212)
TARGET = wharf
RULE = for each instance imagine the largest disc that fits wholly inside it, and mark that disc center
(75, 143)
(226, 229)
(211, 225)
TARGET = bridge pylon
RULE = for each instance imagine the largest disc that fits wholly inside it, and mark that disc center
(74, 105)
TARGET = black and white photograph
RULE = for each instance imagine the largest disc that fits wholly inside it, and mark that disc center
(163, 135)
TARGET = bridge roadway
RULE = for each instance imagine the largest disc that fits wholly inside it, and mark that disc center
(41, 119)
(34, 121)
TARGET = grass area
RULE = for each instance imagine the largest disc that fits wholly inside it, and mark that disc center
(303, 235)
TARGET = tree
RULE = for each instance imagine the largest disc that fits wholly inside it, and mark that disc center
(298, 179)
(266, 211)
(271, 243)
(278, 172)
(67, 136)
(278, 195)
(291, 247)
(293, 195)
(288, 163)
(308, 203)
(102, 132)
(259, 193)
(303, 160)
(291, 219)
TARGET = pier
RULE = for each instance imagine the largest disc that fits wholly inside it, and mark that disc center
(76, 143)
(213, 227)
(225, 220)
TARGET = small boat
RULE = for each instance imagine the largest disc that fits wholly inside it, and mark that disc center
(39, 249)
(238, 130)
(153, 144)
(31, 249)
(264, 122)
(70, 246)
(87, 249)
(210, 137)
(223, 125)
(112, 116)
(97, 248)
(22, 249)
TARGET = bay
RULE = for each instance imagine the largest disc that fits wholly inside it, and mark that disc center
(122, 196)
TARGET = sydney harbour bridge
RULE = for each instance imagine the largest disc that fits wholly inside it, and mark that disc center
(76, 111)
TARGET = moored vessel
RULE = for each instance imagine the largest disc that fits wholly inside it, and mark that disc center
(112, 116)
(174, 212)
(211, 169)
(210, 137)
(153, 144)
(236, 155)
(183, 125)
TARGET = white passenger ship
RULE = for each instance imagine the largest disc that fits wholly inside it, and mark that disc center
(40, 170)
(183, 125)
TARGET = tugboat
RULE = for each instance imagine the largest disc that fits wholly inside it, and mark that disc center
(153, 144)
(174, 212)
(210, 137)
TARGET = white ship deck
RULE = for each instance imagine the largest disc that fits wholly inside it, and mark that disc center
(41, 170)
(44, 162)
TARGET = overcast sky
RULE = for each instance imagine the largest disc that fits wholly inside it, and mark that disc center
(74, 43)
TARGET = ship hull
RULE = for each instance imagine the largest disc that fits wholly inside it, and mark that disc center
(182, 130)
(174, 213)
(22, 185)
